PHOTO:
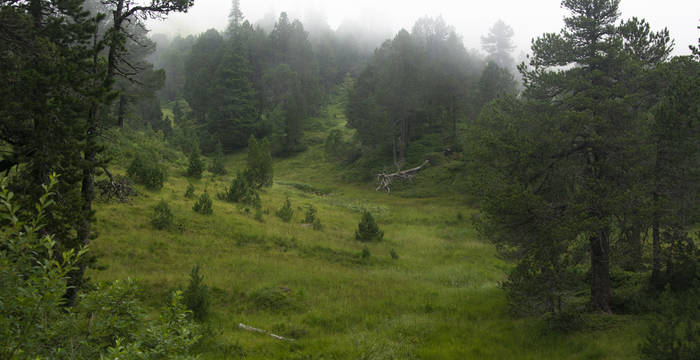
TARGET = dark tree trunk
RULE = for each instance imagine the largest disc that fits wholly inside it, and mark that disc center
(656, 278)
(601, 293)
(121, 111)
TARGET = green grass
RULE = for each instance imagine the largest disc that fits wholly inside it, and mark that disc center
(439, 300)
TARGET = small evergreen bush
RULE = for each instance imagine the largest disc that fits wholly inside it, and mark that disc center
(365, 255)
(162, 216)
(311, 218)
(145, 171)
(196, 165)
(286, 212)
(189, 193)
(259, 214)
(310, 215)
(394, 254)
(203, 205)
(259, 170)
(241, 191)
(217, 166)
(367, 229)
(196, 296)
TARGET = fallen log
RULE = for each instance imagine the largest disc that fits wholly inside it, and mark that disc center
(250, 328)
(385, 179)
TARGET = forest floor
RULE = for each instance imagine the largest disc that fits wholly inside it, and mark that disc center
(438, 300)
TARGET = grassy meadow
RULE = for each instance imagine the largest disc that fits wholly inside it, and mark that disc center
(437, 299)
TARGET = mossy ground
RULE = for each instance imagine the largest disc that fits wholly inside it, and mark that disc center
(439, 300)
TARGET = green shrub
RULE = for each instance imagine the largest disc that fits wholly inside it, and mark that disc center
(259, 170)
(196, 165)
(107, 320)
(162, 216)
(203, 205)
(189, 193)
(145, 171)
(217, 166)
(196, 296)
(316, 225)
(310, 215)
(394, 254)
(241, 191)
(563, 322)
(311, 218)
(259, 214)
(286, 212)
(367, 229)
(365, 253)
(675, 333)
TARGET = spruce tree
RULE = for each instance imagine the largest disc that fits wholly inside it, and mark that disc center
(367, 229)
(266, 170)
(196, 165)
(218, 166)
(286, 212)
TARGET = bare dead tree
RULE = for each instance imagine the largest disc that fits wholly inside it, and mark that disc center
(385, 179)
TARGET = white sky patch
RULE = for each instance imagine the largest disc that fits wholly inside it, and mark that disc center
(472, 20)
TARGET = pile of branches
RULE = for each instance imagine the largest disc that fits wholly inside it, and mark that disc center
(116, 187)
(385, 179)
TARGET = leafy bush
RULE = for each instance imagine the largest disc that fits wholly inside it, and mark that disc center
(241, 191)
(162, 216)
(367, 229)
(189, 193)
(107, 321)
(145, 171)
(196, 296)
(203, 205)
(286, 212)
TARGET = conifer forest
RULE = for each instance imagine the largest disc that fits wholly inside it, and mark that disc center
(282, 188)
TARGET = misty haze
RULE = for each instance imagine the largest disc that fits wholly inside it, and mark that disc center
(306, 179)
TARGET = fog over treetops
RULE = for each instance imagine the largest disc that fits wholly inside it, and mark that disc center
(471, 19)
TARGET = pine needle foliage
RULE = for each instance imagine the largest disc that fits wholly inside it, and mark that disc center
(218, 166)
(196, 296)
(368, 230)
(203, 205)
(189, 193)
(241, 191)
(286, 212)
(145, 171)
(196, 165)
(162, 216)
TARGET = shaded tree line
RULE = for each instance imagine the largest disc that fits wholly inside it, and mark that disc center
(247, 81)
(590, 178)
